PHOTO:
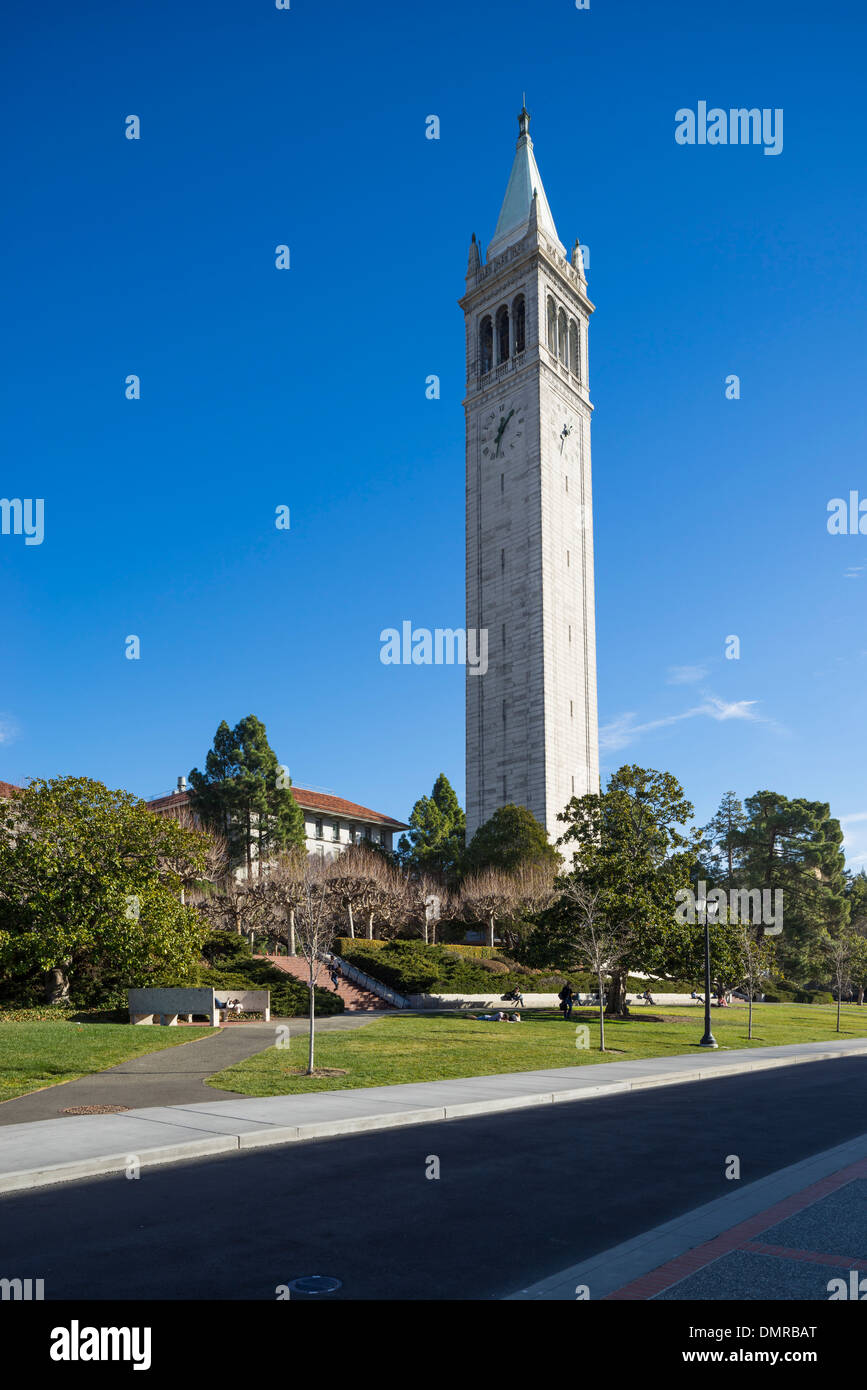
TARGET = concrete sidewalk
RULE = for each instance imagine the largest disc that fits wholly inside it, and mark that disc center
(50, 1151)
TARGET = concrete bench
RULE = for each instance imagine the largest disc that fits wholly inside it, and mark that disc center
(171, 1002)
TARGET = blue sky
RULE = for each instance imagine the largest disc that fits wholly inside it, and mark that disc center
(306, 387)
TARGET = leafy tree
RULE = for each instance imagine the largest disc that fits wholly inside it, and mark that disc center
(795, 846)
(245, 795)
(90, 886)
(627, 847)
(437, 833)
(511, 837)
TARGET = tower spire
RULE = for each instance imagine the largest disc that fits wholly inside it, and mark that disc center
(525, 181)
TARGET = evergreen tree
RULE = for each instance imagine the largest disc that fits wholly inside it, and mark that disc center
(511, 837)
(435, 842)
(246, 795)
(630, 856)
(795, 845)
(724, 838)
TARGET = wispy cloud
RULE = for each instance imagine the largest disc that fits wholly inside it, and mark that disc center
(855, 839)
(854, 572)
(685, 675)
(625, 730)
(8, 728)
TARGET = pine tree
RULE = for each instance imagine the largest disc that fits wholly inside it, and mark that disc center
(795, 845)
(725, 836)
(246, 795)
(435, 842)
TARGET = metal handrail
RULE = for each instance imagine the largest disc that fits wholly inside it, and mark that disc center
(367, 982)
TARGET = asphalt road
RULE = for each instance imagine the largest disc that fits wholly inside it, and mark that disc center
(519, 1196)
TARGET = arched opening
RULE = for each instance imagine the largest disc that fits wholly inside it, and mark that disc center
(552, 327)
(503, 334)
(519, 322)
(563, 338)
(486, 345)
(574, 349)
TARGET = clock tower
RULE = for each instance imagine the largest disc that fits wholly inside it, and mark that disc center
(532, 731)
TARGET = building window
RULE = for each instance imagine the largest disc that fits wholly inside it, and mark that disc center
(486, 346)
(570, 709)
(562, 339)
(336, 830)
(552, 327)
(502, 334)
(519, 322)
(502, 562)
(567, 559)
(319, 830)
(574, 349)
(502, 482)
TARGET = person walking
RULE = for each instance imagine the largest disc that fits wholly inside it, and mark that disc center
(567, 999)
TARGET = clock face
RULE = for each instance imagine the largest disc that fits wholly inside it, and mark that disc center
(567, 437)
(502, 429)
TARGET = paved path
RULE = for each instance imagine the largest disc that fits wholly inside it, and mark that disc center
(33, 1155)
(175, 1076)
(519, 1195)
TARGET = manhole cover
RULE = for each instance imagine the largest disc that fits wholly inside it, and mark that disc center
(94, 1109)
(315, 1283)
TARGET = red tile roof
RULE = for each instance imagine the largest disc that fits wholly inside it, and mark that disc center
(308, 801)
(9, 789)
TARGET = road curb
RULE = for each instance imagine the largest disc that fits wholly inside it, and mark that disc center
(251, 1134)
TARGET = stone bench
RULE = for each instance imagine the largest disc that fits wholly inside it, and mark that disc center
(168, 1003)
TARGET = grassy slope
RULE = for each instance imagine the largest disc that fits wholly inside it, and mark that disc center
(33, 1055)
(405, 1047)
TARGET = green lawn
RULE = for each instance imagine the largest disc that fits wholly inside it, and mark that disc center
(33, 1055)
(405, 1047)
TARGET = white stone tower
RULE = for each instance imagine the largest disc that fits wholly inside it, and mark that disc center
(532, 729)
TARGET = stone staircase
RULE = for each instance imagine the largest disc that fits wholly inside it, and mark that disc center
(355, 999)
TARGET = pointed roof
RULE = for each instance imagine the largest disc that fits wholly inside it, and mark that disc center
(524, 180)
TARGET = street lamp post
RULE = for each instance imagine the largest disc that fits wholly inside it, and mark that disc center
(708, 1040)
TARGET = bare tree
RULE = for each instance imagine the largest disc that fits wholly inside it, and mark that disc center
(843, 950)
(489, 896)
(533, 889)
(315, 929)
(757, 956)
(351, 881)
(594, 944)
(428, 903)
(239, 905)
(283, 887)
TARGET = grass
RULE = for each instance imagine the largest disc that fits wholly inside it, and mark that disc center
(406, 1047)
(33, 1055)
